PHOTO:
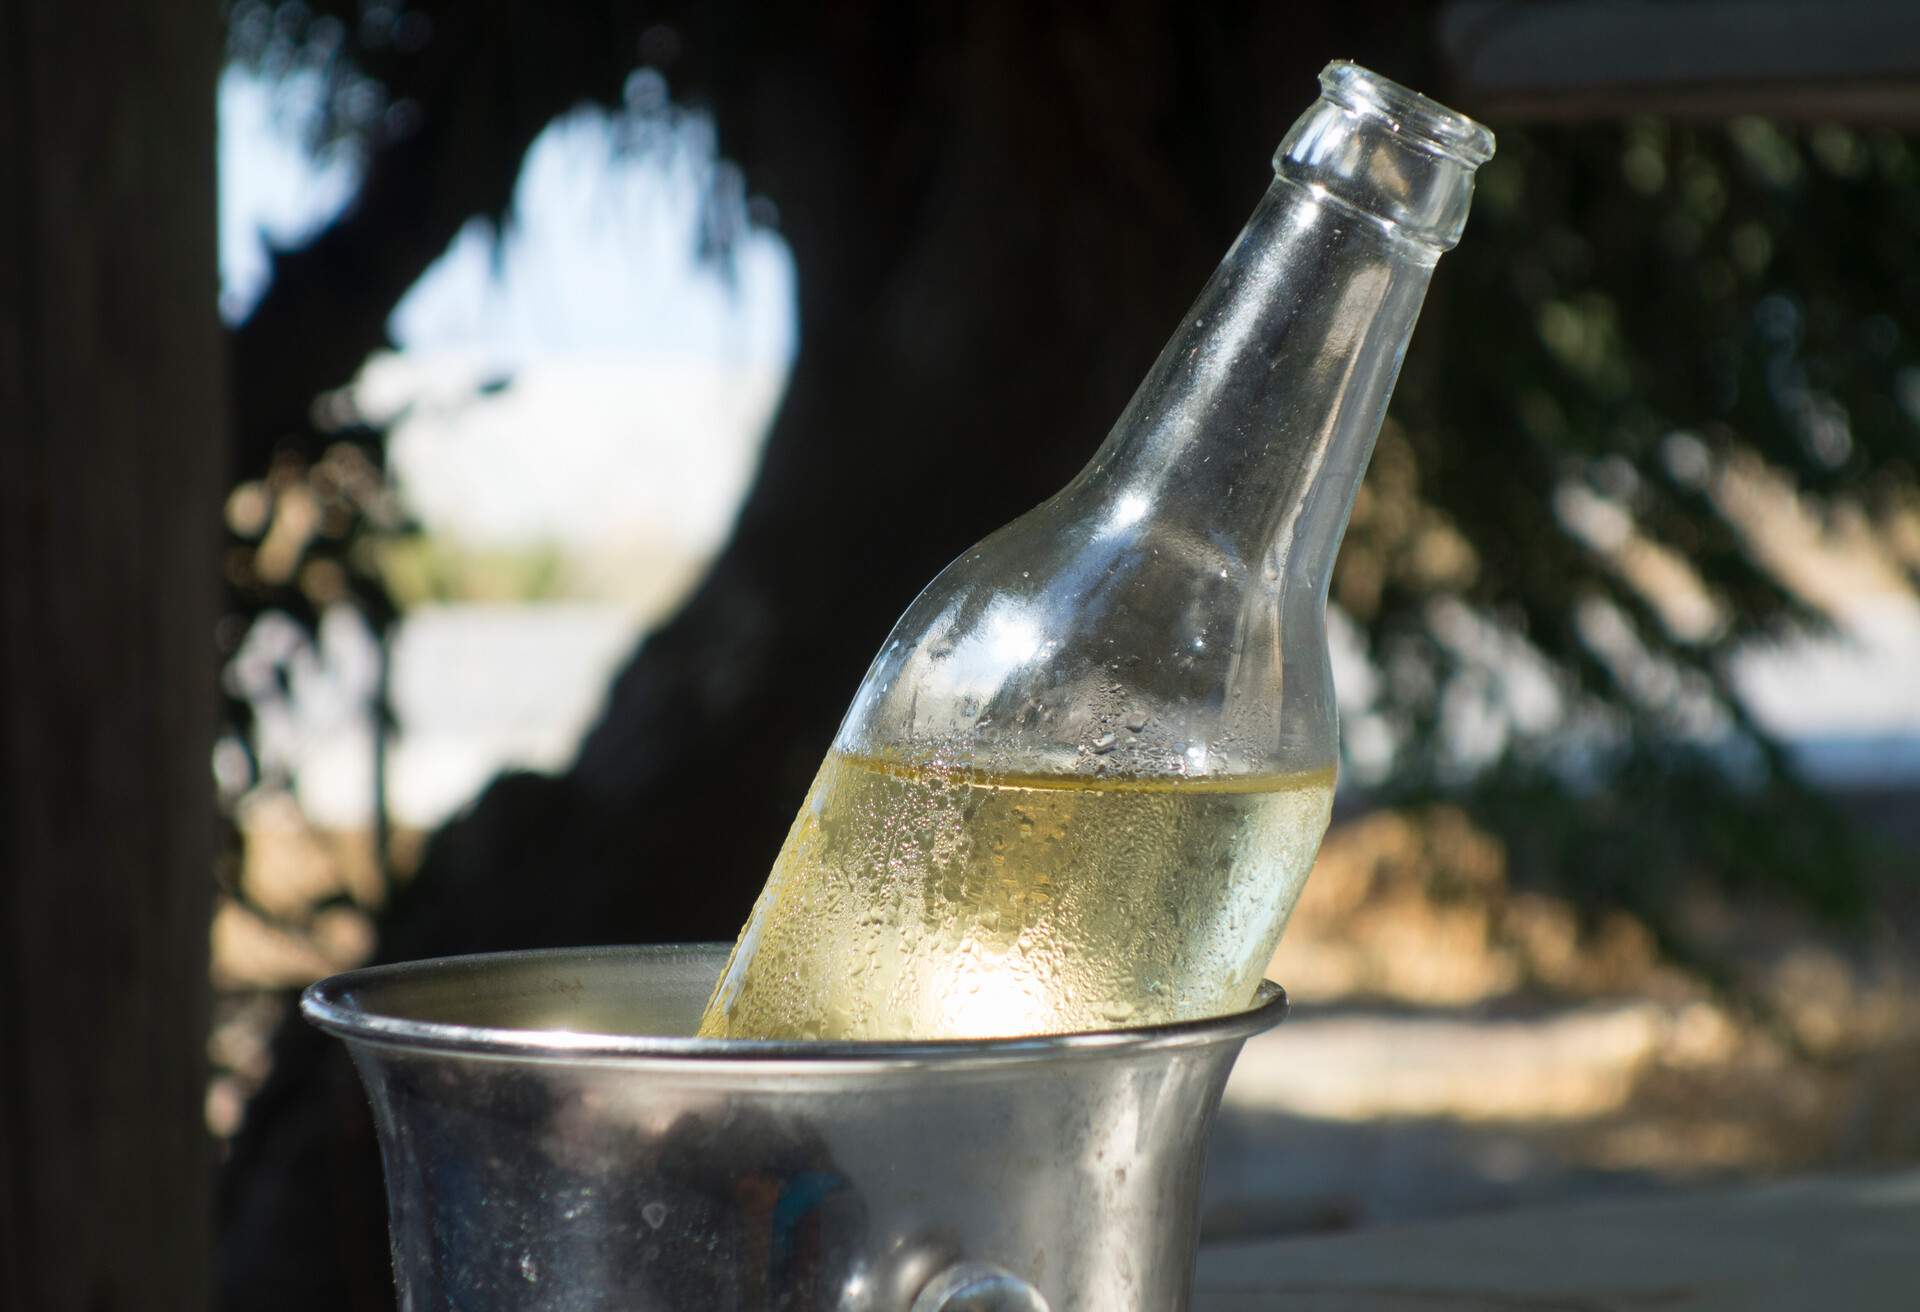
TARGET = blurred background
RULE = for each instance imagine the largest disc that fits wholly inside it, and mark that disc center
(604, 379)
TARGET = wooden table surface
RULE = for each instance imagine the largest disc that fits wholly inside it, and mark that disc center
(1832, 1244)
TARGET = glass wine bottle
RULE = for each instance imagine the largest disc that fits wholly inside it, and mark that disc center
(1083, 782)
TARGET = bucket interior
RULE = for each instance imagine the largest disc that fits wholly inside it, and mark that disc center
(584, 991)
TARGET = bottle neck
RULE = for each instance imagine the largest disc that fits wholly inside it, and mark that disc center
(1255, 425)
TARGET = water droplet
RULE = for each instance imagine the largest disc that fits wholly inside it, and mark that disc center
(654, 1214)
(1105, 743)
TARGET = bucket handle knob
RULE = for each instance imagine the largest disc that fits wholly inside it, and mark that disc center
(979, 1287)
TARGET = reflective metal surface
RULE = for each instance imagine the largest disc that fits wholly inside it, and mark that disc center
(553, 1139)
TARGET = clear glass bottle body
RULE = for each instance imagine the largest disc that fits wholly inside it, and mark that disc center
(1084, 780)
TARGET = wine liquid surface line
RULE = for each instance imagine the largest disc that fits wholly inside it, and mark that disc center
(911, 900)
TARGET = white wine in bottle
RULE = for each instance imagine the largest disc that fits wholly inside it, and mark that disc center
(1082, 784)
(957, 902)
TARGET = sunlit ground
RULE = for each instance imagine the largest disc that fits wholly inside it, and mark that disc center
(1478, 1047)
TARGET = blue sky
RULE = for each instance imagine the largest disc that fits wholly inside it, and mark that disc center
(598, 255)
(642, 377)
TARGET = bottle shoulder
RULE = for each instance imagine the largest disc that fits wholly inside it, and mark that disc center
(1084, 639)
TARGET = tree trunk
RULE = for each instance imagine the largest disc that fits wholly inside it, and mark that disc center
(112, 414)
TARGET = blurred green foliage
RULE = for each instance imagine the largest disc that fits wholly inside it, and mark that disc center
(1642, 318)
(419, 569)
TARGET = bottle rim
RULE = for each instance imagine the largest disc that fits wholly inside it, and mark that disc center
(1423, 121)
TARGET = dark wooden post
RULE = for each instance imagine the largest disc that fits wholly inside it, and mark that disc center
(112, 443)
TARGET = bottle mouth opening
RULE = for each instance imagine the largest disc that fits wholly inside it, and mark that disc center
(1426, 122)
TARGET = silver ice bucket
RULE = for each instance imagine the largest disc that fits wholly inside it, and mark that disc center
(555, 1139)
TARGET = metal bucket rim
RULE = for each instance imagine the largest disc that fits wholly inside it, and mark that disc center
(334, 1005)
